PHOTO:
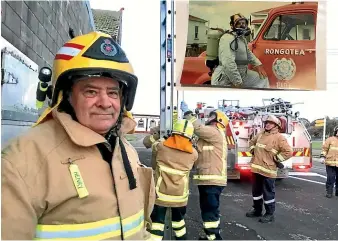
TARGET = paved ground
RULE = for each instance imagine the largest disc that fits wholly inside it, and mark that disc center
(302, 211)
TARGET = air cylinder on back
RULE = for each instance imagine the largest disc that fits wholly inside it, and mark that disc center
(214, 36)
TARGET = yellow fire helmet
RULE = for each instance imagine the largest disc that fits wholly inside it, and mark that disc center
(94, 53)
(184, 128)
(221, 119)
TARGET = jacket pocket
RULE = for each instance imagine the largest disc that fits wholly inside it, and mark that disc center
(148, 188)
(172, 185)
(204, 159)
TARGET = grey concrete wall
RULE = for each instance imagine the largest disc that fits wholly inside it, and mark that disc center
(40, 28)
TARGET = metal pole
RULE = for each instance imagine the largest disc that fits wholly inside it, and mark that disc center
(168, 226)
(167, 81)
(324, 129)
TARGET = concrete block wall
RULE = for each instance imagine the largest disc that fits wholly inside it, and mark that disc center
(40, 28)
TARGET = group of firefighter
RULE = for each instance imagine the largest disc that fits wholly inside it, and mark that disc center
(74, 175)
(174, 157)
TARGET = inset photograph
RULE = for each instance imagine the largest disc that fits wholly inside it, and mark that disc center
(251, 45)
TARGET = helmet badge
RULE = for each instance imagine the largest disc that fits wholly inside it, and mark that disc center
(107, 48)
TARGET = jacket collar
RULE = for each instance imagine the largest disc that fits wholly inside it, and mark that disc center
(83, 136)
(128, 126)
(79, 134)
(273, 131)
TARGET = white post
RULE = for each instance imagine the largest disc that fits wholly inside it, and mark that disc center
(324, 130)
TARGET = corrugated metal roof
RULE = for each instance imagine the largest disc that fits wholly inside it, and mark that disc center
(108, 22)
(193, 18)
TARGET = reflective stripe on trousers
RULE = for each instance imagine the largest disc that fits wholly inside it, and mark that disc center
(263, 188)
(158, 220)
(104, 229)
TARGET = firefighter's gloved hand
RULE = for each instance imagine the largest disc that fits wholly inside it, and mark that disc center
(261, 71)
(184, 107)
(322, 160)
(279, 165)
(154, 130)
(156, 136)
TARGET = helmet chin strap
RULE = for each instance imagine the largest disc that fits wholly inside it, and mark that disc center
(125, 159)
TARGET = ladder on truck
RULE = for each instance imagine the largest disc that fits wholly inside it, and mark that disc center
(169, 97)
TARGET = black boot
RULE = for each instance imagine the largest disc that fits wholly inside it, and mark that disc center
(267, 218)
(329, 195)
(337, 193)
(253, 213)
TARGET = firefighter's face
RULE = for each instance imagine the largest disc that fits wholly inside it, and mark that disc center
(239, 23)
(269, 125)
(96, 102)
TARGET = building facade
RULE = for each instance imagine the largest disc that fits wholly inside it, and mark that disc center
(197, 36)
(32, 32)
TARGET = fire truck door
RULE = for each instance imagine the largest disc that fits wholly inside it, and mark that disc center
(286, 47)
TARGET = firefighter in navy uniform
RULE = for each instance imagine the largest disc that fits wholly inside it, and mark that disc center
(269, 148)
(175, 157)
(329, 155)
(211, 167)
(234, 57)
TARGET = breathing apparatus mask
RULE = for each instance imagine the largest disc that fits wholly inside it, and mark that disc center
(242, 31)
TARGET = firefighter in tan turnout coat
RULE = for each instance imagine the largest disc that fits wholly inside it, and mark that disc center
(211, 166)
(329, 155)
(175, 157)
(269, 148)
(74, 175)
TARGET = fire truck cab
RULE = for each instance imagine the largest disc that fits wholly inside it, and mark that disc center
(286, 45)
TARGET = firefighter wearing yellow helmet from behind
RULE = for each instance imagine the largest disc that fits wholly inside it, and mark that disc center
(175, 158)
(329, 156)
(269, 147)
(65, 179)
(211, 176)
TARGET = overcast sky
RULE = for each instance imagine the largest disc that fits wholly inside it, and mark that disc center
(140, 40)
(219, 12)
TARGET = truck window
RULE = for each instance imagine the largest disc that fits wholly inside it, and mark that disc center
(292, 27)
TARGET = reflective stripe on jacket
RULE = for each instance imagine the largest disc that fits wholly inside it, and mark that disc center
(212, 154)
(330, 151)
(55, 184)
(269, 146)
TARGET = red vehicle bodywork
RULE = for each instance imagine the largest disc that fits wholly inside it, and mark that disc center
(196, 73)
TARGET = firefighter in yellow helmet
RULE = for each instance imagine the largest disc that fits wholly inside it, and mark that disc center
(211, 176)
(74, 175)
(329, 156)
(269, 147)
(175, 158)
